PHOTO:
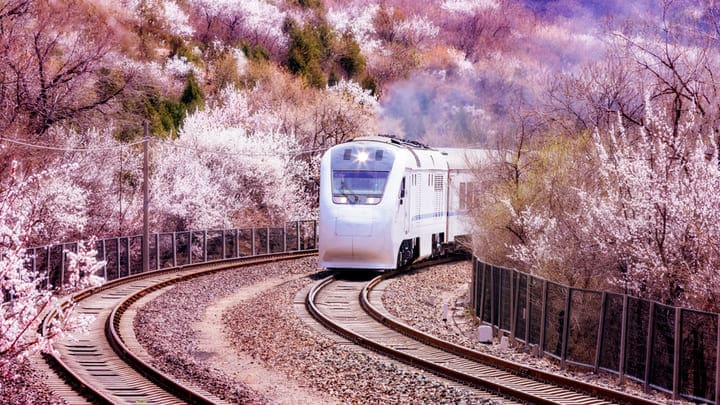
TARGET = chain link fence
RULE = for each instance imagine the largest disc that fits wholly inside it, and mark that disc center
(667, 348)
(123, 255)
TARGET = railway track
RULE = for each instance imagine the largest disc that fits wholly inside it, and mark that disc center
(108, 365)
(354, 310)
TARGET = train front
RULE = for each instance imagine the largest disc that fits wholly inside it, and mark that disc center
(356, 206)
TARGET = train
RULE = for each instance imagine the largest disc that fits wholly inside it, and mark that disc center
(387, 202)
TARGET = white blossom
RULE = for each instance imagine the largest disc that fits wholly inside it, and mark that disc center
(417, 29)
(256, 17)
(23, 299)
(469, 6)
(359, 21)
(652, 211)
(179, 67)
(176, 19)
(230, 160)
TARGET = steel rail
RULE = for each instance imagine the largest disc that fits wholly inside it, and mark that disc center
(513, 367)
(525, 384)
(94, 385)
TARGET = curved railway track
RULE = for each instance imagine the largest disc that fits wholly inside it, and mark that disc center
(107, 365)
(354, 310)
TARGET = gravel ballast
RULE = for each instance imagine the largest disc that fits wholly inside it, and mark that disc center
(26, 386)
(267, 328)
(418, 297)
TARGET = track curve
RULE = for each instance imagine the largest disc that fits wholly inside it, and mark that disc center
(103, 366)
(353, 309)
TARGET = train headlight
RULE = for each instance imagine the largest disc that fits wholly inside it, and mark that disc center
(362, 156)
(340, 200)
(372, 200)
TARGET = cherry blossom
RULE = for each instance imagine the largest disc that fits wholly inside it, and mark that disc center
(24, 302)
(469, 6)
(176, 19)
(359, 21)
(258, 20)
(230, 159)
(652, 213)
(417, 30)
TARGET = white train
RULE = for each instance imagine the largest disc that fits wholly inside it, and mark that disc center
(385, 202)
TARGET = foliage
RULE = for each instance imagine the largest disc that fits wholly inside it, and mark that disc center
(311, 4)
(192, 96)
(257, 22)
(310, 47)
(255, 52)
(231, 165)
(318, 55)
(650, 215)
(350, 58)
(52, 62)
(165, 117)
(23, 299)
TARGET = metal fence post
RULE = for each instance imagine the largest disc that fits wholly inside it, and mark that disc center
(297, 234)
(157, 251)
(47, 279)
(676, 354)
(62, 265)
(127, 253)
(117, 253)
(190, 243)
(473, 281)
(205, 246)
(104, 259)
(601, 328)
(252, 238)
(481, 273)
(623, 339)
(267, 239)
(224, 249)
(648, 347)
(492, 300)
(514, 291)
(527, 308)
(565, 333)
(285, 237)
(543, 313)
(174, 249)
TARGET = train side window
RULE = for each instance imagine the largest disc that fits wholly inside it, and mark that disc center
(463, 195)
(402, 190)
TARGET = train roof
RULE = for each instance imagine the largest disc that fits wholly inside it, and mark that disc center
(461, 158)
(456, 158)
(392, 139)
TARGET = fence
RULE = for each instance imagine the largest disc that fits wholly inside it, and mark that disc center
(667, 348)
(123, 255)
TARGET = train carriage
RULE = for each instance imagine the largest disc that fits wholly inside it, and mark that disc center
(385, 202)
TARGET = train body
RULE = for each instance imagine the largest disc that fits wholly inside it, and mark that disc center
(385, 203)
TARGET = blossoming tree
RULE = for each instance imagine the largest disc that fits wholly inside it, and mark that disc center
(23, 302)
(652, 212)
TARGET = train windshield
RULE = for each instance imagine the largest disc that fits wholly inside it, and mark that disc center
(358, 187)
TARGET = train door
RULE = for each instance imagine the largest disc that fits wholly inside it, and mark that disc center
(405, 205)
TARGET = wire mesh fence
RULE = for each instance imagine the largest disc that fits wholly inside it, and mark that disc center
(123, 255)
(667, 348)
